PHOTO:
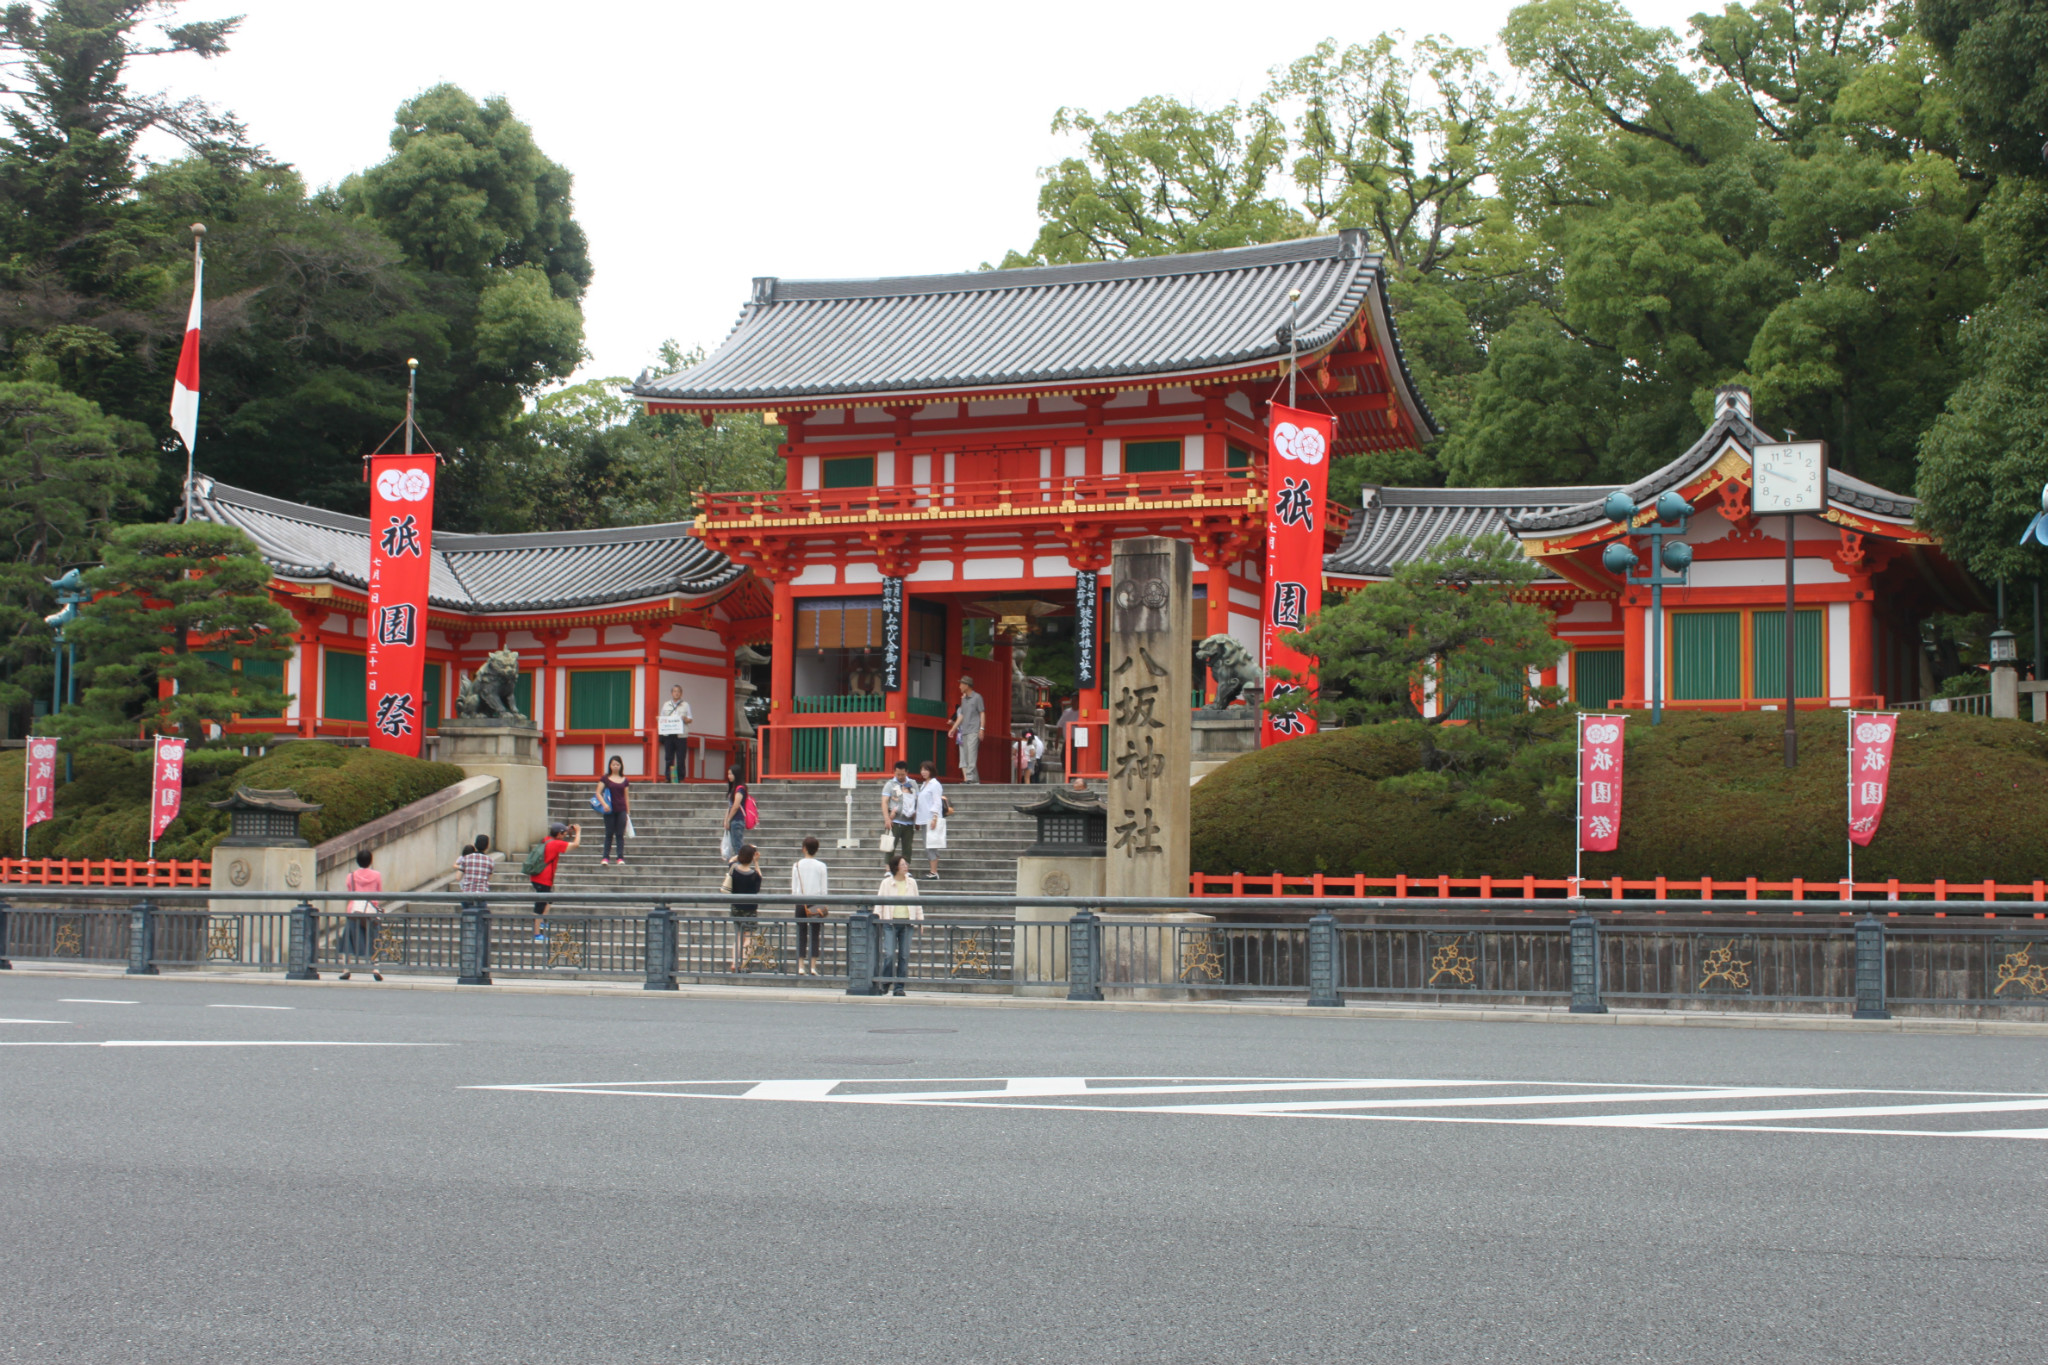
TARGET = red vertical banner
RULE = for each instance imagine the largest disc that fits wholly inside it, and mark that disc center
(401, 556)
(38, 786)
(1297, 478)
(1600, 755)
(1871, 734)
(166, 787)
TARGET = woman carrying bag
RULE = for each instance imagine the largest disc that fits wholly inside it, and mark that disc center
(361, 939)
(609, 800)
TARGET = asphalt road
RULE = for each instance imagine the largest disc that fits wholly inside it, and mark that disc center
(990, 1184)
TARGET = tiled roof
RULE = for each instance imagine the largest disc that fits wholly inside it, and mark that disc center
(1731, 423)
(1396, 525)
(816, 339)
(541, 571)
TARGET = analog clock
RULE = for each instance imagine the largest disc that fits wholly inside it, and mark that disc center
(1788, 476)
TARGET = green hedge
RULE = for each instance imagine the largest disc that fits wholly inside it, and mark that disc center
(1706, 795)
(102, 811)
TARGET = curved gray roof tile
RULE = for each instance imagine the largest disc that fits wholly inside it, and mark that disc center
(1397, 525)
(819, 339)
(537, 571)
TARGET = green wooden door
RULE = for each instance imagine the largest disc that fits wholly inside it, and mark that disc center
(1767, 653)
(1596, 677)
(344, 682)
(601, 699)
(1706, 655)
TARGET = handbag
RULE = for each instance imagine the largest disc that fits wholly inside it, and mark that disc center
(888, 843)
(629, 826)
(602, 803)
(726, 885)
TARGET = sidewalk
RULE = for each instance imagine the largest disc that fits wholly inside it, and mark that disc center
(833, 995)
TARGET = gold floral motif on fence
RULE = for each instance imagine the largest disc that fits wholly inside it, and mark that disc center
(565, 949)
(1723, 965)
(1451, 960)
(223, 940)
(387, 948)
(764, 953)
(1201, 957)
(973, 955)
(2018, 969)
(68, 942)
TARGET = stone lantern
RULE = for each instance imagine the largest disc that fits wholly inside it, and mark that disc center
(264, 850)
(1066, 859)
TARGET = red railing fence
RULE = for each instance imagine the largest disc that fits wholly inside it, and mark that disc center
(1712, 889)
(128, 872)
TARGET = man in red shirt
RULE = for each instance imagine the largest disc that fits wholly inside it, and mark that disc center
(561, 838)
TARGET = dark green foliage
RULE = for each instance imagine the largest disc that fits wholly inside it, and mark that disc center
(171, 594)
(66, 469)
(1707, 795)
(1446, 625)
(103, 812)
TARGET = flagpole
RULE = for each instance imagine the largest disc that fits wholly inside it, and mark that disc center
(1579, 811)
(155, 761)
(1293, 321)
(1848, 799)
(198, 264)
(412, 384)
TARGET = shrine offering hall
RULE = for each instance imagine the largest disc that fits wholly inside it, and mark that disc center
(962, 453)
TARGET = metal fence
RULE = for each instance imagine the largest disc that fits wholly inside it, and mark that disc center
(1988, 967)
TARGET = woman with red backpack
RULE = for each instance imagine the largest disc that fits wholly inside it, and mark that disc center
(739, 812)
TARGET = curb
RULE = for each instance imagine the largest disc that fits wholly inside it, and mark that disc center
(1226, 1008)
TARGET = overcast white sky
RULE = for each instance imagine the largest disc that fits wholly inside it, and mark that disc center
(714, 143)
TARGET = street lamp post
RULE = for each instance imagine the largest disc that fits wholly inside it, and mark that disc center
(1675, 555)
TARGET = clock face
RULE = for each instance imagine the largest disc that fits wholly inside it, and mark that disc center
(1789, 476)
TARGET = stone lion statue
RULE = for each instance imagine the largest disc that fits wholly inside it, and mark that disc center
(493, 691)
(1233, 668)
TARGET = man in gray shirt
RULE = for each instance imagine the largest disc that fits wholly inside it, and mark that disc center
(966, 730)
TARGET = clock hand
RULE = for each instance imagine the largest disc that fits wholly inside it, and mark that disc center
(1779, 474)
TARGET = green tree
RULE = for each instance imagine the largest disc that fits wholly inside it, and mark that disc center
(1162, 177)
(66, 470)
(1447, 627)
(179, 606)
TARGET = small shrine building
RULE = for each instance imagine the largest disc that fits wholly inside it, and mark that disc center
(962, 451)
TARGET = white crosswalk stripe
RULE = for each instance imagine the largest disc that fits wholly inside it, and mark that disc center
(1553, 1104)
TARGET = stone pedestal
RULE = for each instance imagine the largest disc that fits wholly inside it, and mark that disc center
(1150, 675)
(1216, 737)
(511, 753)
(286, 869)
(1042, 929)
(2005, 692)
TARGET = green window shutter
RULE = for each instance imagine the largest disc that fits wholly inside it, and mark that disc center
(344, 684)
(1597, 677)
(523, 691)
(1767, 652)
(1706, 655)
(601, 699)
(1151, 457)
(265, 673)
(430, 700)
(850, 471)
(1237, 458)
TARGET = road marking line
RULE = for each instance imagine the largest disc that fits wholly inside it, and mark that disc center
(70, 1000)
(254, 1042)
(34, 1021)
(1473, 1101)
(252, 1007)
(1045, 1085)
(1858, 1111)
(790, 1090)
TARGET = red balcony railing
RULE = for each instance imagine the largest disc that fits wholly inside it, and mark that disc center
(993, 497)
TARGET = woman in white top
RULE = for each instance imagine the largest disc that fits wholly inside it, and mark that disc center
(897, 918)
(808, 880)
(931, 813)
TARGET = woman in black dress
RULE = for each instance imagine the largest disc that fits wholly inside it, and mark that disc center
(612, 792)
(745, 880)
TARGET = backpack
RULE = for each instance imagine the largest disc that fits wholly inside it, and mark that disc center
(536, 861)
(748, 813)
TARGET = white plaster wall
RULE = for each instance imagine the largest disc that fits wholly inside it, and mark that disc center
(582, 638)
(992, 568)
(1838, 649)
(576, 760)
(885, 468)
(812, 467)
(1077, 461)
(1587, 611)
(1052, 566)
(862, 571)
(932, 571)
(1191, 453)
(814, 574)
(1245, 630)
(1761, 573)
(1112, 456)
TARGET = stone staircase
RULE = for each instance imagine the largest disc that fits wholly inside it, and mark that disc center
(676, 847)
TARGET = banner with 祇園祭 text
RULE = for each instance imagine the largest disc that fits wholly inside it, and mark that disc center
(401, 561)
(1298, 478)
(166, 787)
(38, 786)
(1600, 764)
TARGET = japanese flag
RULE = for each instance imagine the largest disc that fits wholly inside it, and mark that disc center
(185, 388)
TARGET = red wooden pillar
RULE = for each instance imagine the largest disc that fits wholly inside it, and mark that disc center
(544, 694)
(650, 636)
(956, 669)
(1863, 642)
(781, 677)
(1635, 627)
(307, 639)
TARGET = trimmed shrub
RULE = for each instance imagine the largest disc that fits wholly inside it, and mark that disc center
(1707, 795)
(102, 812)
